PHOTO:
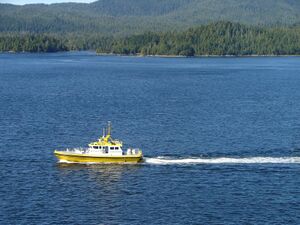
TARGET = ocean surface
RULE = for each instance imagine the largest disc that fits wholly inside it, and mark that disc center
(221, 139)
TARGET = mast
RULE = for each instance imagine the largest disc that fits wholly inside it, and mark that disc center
(103, 132)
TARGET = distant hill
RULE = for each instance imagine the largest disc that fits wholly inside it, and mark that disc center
(122, 17)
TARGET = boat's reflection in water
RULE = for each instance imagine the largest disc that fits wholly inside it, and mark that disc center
(104, 174)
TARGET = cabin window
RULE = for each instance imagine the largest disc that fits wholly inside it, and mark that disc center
(95, 147)
(116, 148)
(112, 148)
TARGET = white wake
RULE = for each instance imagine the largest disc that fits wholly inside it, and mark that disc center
(224, 160)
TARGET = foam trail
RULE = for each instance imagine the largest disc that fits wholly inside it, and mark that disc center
(224, 160)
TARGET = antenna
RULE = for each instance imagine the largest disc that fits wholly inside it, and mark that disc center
(103, 132)
(109, 128)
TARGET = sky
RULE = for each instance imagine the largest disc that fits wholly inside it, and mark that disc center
(23, 2)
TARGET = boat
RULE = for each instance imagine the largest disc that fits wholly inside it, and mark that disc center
(105, 150)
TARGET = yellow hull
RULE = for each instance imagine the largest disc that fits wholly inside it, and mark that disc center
(85, 158)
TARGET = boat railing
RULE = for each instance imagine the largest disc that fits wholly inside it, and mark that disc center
(133, 151)
(77, 150)
(117, 141)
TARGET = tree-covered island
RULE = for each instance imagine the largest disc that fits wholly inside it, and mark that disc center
(220, 38)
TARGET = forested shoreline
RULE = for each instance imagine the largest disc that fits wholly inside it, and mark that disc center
(31, 43)
(221, 38)
(47, 42)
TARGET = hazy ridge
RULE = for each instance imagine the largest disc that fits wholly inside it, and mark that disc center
(123, 17)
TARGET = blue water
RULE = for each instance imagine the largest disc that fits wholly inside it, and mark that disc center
(221, 137)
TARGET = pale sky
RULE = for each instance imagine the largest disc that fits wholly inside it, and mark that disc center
(23, 2)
